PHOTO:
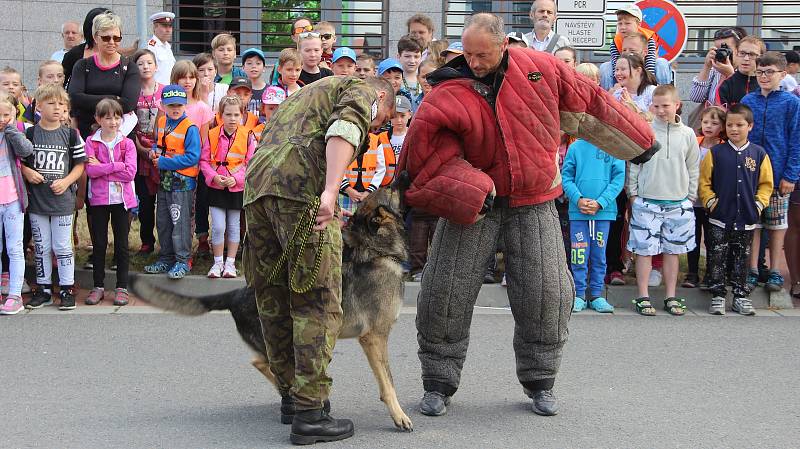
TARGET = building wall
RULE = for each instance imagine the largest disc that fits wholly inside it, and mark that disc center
(30, 30)
(401, 10)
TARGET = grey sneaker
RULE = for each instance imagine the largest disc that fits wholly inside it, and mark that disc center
(717, 306)
(544, 402)
(434, 403)
(743, 306)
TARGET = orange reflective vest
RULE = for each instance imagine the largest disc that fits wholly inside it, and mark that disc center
(258, 130)
(171, 145)
(388, 156)
(250, 123)
(237, 153)
(367, 165)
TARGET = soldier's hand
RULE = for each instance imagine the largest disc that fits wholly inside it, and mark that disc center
(327, 207)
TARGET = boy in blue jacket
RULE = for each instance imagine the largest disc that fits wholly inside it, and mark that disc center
(175, 154)
(735, 186)
(591, 179)
(775, 127)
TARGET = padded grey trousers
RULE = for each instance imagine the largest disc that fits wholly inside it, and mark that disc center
(540, 292)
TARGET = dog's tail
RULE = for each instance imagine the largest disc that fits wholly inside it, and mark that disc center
(157, 296)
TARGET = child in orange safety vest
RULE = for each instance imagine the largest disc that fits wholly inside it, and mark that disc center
(224, 164)
(369, 172)
(175, 154)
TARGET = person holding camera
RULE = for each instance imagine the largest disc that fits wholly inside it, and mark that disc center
(719, 65)
(744, 80)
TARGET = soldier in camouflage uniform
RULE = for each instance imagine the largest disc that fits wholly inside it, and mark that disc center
(304, 150)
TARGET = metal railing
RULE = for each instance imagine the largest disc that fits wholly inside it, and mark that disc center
(266, 24)
(776, 21)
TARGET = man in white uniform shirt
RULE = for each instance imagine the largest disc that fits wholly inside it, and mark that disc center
(542, 37)
(160, 46)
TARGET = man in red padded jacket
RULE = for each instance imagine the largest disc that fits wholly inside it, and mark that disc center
(482, 153)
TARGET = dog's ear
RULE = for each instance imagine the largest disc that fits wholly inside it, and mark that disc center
(381, 216)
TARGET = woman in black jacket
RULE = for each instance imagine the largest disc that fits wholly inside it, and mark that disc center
(106, 74)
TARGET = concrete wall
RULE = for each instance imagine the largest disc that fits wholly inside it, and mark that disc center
(30, 30)
(401, 10)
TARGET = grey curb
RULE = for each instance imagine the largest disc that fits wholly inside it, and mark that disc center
(491, 295)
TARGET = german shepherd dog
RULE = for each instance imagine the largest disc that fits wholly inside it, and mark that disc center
(372, 287)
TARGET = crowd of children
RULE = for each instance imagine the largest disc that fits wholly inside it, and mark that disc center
(187, 157)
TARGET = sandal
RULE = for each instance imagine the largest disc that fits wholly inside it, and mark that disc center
(690, 281)
(644, 307)
(675, 306)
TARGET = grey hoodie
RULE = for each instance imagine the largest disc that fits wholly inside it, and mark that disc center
(18, 146)
(672, 173)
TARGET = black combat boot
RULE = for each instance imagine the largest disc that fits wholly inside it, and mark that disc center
(313, 426)
(287, 409)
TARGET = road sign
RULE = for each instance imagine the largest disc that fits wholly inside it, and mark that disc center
(669, 23)
(583, 32)
(581, 6)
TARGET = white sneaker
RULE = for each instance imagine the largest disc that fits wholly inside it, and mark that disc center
(655, 278)
(229, 271)
(743, 306)
(717, 306)
(215, 271)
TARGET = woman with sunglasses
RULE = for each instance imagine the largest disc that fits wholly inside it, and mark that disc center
(301, 25)
(715, 70)
(87, 47)
(104, 74)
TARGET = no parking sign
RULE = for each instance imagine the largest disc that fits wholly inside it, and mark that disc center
(663, 17)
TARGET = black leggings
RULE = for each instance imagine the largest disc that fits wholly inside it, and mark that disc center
(201, 207)
(147, 212)
(693, 257)
(119, 224)
(614, 243)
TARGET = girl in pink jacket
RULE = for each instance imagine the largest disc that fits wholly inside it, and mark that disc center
(224, 163)
(111, 168)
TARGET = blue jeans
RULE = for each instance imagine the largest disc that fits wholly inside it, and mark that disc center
(588, 254)
(174, 212)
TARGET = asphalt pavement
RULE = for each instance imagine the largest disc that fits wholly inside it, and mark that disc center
(152, 380)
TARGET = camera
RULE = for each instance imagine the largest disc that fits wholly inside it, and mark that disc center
(724, 54)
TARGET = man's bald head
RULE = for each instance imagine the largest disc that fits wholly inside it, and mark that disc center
(386, 101)
(484, 41)
(488, 23)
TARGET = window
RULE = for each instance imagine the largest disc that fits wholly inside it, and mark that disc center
(362, 25)
(781, 25)
(778, 21)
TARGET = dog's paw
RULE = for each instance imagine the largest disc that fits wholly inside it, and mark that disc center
(403, 422)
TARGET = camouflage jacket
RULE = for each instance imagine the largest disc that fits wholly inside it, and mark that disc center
(290, 159)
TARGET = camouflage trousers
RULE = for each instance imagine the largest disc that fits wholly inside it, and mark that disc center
(300, 329)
